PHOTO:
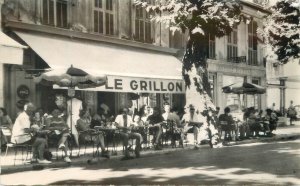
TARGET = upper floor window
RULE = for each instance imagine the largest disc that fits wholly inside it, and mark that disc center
(252, 43)
(55, 13)
(211, 54)
(104, 16)
(143, 30)
(177, 39)
(232, 47)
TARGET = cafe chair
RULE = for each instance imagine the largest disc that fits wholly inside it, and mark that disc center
(228, 129)
(85, 141)
(19, 147)
(53, 140)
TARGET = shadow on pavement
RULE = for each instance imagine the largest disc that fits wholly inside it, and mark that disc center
(268, 163)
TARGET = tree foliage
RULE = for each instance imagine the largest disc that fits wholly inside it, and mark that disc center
(282, 29)
(199, 18)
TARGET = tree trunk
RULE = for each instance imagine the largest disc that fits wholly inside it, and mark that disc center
(195, 72)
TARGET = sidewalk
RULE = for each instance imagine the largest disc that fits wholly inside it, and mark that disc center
(7, 163)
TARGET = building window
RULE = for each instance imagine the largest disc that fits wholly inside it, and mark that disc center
(177, 39)
(142, 24)
(252, 43)
(211, 54)
(104, 17)
(55, 13)
(232, 41)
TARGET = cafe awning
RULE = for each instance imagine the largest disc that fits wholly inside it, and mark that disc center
(128, 69)
(11, 52)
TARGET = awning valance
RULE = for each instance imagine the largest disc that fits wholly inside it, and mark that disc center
(127, 69)
(11, 52)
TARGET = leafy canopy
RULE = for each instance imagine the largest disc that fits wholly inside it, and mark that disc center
(282, 30)
(216, 17)
(199, 18)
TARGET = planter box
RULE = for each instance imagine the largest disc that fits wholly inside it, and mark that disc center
(282, 121)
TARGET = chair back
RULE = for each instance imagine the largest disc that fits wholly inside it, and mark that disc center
(223, 122)
(6, 131)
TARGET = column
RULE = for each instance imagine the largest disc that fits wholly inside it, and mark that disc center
(263, 97)
(282, 94)
(1, 67)
(218, 89)
(1, 84)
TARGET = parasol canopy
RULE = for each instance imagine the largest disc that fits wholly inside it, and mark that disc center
(244, 88)
(72, 77)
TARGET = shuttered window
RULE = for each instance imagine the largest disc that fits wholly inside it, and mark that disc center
(252, 43)
(55, 13)
(143, 31)
(232, 41)
(104, 17)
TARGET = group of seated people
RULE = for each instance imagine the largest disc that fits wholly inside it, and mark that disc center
(252, 124)
(32, 128)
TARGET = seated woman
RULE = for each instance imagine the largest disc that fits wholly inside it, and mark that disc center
(6, 126)
(87, 134)
(144, 112)
(61, 130)
(271, 119)
(99, 119)
(253, 122)
(139, 127)
(38, 118)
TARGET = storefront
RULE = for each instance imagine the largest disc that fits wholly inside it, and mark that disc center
(135, 77)
(225, 73)
(11, 52)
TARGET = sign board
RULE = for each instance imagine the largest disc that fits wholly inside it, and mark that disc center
(141, 85)
(71, 92)
(261, 2)
(23, 91)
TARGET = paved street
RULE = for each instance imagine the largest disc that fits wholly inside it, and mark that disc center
(256, 163)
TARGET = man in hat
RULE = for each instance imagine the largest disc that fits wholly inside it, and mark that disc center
(292, 113)
(187, 119)
(154, 121)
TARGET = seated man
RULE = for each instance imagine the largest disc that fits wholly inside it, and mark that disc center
(88, 134)
(154, 122)
(60, 129)
(173, 119)
(190, 118)
(226, 123)
(123, 122)
(21, 134)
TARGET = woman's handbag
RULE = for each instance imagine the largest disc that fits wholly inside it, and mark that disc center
(48, 155)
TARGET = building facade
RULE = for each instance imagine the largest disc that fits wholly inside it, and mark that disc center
(283, 84)
(111, 36)
(239, 57)
(120, 40)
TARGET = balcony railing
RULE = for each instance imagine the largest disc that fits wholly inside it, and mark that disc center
(239, 59)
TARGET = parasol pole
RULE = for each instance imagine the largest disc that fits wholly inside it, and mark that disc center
(71, 92)
(254, 100)
(240, 104)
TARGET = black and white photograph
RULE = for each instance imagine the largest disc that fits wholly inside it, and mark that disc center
(150, 92)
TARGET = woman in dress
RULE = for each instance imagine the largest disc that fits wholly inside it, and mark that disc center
(87, 134)
(61, 130)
